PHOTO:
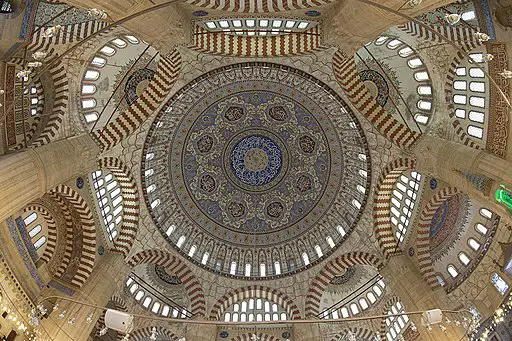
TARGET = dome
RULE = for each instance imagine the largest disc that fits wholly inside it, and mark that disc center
(255, 156)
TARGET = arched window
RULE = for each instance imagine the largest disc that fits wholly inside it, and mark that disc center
(484, 212)
(35, 231)
(318, 250)
(471, 96)
(305, 258)
(499, 283)
(405, 193)
(263, 270)
(192, 250)
(277, 268)
(91, 75)
(481, 229)
(473, 244)
(256, 26)
(247, 269)
(354, 309)
(40, 242)
(344, 312)
(30, 219)
(232, 270)
(330, 241)
(119, 43)
(180, 242)
(204, 260)
(452, 270)
(396, 324)
(108, 50)
(245, 310)
(464, 259)
(109, 199)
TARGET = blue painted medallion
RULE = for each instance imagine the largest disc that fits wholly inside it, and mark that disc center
(256, 160)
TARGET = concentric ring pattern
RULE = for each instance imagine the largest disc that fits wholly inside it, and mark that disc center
(255, 156)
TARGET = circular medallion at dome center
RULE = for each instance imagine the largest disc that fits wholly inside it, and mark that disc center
(256, 160)
(252, 161)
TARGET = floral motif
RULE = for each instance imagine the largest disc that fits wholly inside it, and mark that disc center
(236, 209)
(307, 144)
(207, 183)
(275, 209)
(234, 113)
(278, 113)
(304, 183)
(204, 144)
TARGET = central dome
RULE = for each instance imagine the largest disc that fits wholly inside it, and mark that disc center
(255, 155)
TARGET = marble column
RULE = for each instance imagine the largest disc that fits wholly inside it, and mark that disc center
(98, 290)
(29, 174)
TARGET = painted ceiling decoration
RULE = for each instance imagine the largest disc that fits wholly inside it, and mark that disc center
(253, 160)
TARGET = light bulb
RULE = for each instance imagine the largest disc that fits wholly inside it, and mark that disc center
(452, 18)
(51, 31)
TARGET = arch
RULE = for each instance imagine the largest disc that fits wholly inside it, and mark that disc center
(423, 240)
(261, 337)
(345, 70)
(318, 285)
(382, 205)
(361, 333)
(73, 203)
(254, 291)
(292, 44)
(145, 332)
(131, 204)
(52, 230)
(175, 265)
(126, 122)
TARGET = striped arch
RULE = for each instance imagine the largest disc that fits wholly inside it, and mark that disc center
(254, 291)
(382, 205)
(345, 70)
(75, 205)
(126, 122)
(359, 333)
(387, 307)
(292, 44)
(162, 334)
(331, 269)
(257, 6)
(261, 337)
(51, 242)
(423, 241)
(128, 230)
(176, 266)
(61, 90)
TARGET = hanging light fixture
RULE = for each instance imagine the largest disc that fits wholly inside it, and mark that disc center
(452, 18)
(482, 36)
(51, 31)
(97, 14)
(89, 318)
(414, 3)
(126, 337)
(23, 73)
(39, 55)
(34, 64)
(153, 334)
(63, 314)
(506, 74)
(487, 57)
(103, 331)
